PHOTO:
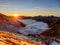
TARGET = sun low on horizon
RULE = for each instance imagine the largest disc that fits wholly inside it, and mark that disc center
(15, 15)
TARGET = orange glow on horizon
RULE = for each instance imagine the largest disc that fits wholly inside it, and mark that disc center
(32, 15)
(15, 15)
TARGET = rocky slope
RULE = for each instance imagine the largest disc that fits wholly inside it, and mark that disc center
(9, 23)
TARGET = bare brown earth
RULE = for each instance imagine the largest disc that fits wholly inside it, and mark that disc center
(7, 38)
(55, 31)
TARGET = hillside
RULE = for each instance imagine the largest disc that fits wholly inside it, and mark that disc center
(31, 26)
(7, 38)
(9, 23)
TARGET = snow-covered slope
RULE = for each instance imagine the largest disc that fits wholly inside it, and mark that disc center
(33, 27)
(55, 43)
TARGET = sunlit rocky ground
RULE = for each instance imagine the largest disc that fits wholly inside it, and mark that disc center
(10, 39)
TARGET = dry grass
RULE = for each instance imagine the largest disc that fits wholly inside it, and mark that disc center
(7, 38)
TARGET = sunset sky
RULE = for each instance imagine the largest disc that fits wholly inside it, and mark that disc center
(30, 7)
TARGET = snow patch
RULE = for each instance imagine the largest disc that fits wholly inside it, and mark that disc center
(54, 43)
(33, 27)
